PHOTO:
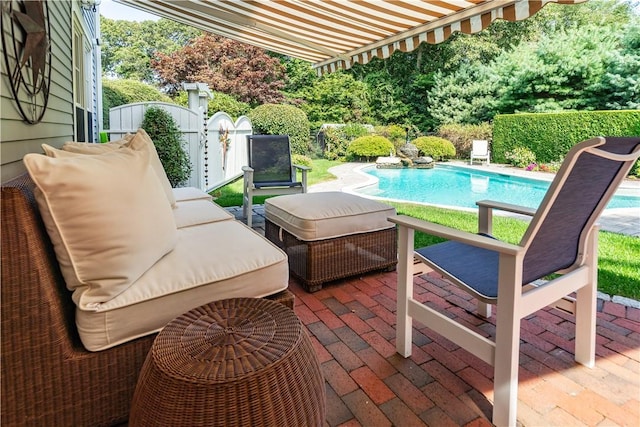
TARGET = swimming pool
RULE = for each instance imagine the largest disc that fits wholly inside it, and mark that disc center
(461, 187)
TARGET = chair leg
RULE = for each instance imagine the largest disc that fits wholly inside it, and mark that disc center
(484, 309)
(586, 301)
(248, 210)
(505, 378)
(404, 291)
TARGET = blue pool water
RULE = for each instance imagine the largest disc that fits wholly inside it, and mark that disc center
(461, 187)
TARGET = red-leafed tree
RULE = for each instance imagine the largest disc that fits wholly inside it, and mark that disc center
(227, 66)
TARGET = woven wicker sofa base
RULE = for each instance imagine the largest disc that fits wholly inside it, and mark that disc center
(317, 262)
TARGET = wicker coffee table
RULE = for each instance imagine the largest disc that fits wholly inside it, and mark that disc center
(236, 362)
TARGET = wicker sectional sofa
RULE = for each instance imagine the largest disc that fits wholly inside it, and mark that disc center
(65, 363)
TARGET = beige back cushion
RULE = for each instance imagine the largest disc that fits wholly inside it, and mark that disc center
(107, 217)
(138, 141)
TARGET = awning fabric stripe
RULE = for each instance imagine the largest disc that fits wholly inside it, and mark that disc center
(335, 34)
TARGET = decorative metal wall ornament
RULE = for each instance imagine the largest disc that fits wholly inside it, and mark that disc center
(26, 45)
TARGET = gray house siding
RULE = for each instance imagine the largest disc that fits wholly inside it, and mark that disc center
(18, 138)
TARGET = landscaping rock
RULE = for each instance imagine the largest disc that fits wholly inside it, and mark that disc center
(423, 162)
(409, 150)
(388, 162)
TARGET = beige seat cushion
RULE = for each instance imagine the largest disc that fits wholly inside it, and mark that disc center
(183, 194)
(317, 216)
(194, 212)
(138, 141)
(106, 231)
(210, 262)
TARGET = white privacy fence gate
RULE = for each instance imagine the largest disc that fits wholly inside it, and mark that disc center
(226, 149)
(217, 148)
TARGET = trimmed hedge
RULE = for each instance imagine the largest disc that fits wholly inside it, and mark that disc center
(276, 119)
(127, 91)
(435, 147)
(369, 147)
(220, 102)
(551, 135)
(338, 137)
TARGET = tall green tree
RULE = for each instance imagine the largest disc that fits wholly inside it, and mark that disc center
(619, 87)
(583, 68)
(128, 47)
(466, 96)
(335, 98)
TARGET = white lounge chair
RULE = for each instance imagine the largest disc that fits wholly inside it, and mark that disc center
(480, 150)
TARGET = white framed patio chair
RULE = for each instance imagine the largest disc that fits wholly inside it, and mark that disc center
(270, 171)
(480, 150)
(562, 238)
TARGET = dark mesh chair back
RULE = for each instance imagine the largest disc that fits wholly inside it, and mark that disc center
(557, 241)
(270, 158)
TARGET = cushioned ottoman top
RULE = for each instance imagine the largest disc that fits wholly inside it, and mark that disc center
(318, 216)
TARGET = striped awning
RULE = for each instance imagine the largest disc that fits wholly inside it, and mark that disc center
(335, 34)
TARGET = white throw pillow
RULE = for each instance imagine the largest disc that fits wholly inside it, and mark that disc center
(91, 148)
(138, 141)
(142, 141)
(107, 217)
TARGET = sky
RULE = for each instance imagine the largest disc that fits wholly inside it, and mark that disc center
(112, 10)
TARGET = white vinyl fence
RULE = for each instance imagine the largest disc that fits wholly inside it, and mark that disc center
(217, 149)
(226, 150)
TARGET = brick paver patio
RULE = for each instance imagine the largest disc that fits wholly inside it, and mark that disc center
(352, 325)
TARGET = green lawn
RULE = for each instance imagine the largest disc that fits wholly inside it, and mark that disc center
(619, 255)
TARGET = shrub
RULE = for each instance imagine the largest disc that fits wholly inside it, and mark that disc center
(354, 130)
(335, 145)
(461, 136)
(166, 137)
(220, 102)
(435, 147)
(521, 157)
(276, 119)
(395, 133)
(338, 137)
(125, 91)
(111, 97)
(368, 147)
(299, 159)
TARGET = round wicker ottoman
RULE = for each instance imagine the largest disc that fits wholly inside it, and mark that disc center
(235, 362)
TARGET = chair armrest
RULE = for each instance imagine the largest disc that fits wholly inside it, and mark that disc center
(457, 235)
(485, 213)
(247, 169)
(304, 170)
(491, 204)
